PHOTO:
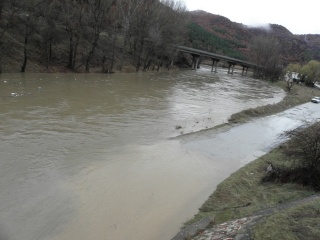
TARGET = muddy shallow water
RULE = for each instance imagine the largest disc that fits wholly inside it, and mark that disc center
(88, 156)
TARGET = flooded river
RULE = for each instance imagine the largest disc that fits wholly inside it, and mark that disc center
(91, 156)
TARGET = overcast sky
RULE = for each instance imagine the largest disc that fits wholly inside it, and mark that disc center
(299, 17)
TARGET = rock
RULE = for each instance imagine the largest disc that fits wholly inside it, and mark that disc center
(193, 229)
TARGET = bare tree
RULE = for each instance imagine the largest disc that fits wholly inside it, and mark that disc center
(289, 83)
(3, 29)
(73, 14)
(145, 30)
(28, 30)
(28, 17)
(8, 11)
(304, 150)
(172, 26)
(157, 27)
(49, 29)
(265, 53)
(292, 75)
(98, 10)
(140, 30)
(127, 10)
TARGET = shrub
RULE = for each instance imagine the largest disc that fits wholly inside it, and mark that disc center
(303, 150)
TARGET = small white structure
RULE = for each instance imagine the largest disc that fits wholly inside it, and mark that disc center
(292, 76)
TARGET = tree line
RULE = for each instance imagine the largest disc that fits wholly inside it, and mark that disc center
(82, 34)
(308, 73)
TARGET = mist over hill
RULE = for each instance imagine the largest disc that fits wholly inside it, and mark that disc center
(218, 34)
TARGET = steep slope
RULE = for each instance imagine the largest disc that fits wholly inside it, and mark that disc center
(227, 37)
(207, 31)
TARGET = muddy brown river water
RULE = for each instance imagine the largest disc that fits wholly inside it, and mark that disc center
(93, 156)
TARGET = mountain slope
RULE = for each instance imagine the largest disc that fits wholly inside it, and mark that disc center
(208, 31)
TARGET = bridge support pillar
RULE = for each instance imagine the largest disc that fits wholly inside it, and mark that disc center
(231, 67)
(195, 61)
(244, 70)
(214, 64)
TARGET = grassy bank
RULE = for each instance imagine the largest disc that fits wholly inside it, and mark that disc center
(301, 222)
(243, 193)
(298, 95)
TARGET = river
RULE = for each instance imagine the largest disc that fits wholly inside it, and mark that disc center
(94, 156)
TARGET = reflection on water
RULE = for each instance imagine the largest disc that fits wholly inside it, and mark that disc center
(88, 156)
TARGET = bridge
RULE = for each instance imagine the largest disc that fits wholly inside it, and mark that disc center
(196, 54)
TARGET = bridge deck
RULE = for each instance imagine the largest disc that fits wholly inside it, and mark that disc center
(214, 56)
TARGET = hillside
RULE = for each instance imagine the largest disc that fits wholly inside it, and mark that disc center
(63, 36)
(220, 35)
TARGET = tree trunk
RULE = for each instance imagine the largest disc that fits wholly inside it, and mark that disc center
(147, 62)
(49, 54)
(92, 51)
(159, 63)
(75, 54)
(73, 66)
(123, 51)
(113, 49)
(70, 52)
(1, 56)
(139, 55)
(24, 65)
(103, 63)
(50, 51)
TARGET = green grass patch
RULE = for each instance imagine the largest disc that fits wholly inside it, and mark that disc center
(301, 222)
(243, 194)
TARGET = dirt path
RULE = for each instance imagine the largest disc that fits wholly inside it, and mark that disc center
(238, 229)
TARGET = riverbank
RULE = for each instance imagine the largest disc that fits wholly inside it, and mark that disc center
(242, 194)
(299, 94)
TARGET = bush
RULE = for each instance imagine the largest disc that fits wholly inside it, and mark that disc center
(303, 150)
